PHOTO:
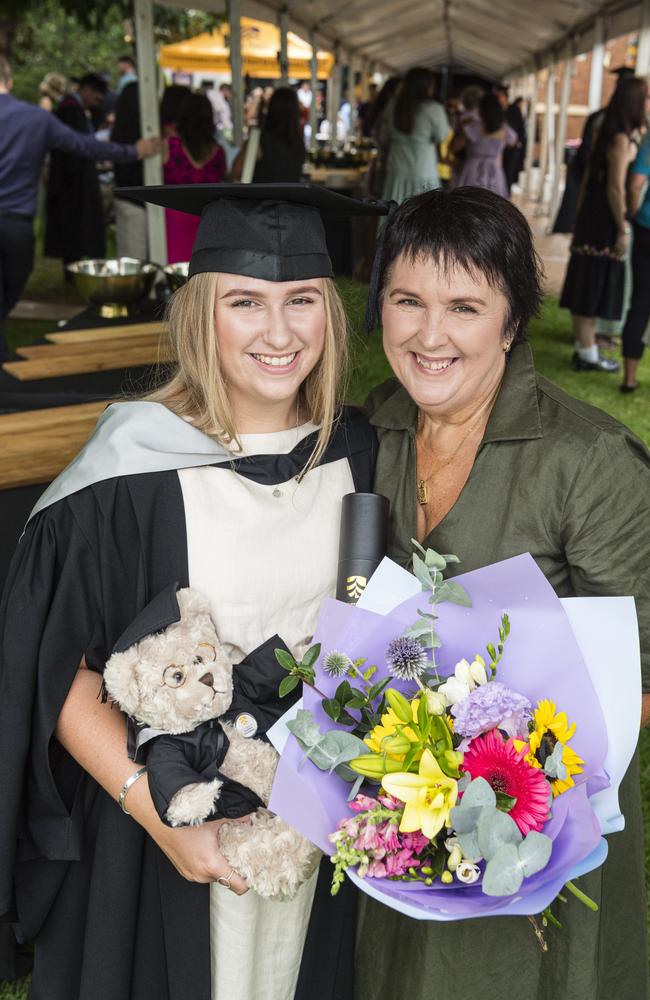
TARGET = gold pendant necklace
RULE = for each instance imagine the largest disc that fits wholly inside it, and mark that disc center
(422, 491)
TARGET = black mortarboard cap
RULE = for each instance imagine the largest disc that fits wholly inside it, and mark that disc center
(158, 614)
(269, 231)
(622, 72)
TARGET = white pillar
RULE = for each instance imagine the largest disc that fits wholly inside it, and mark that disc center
(283, 24)
(313, 65)
(237, 81)
(530, 133)
(547, 155)
(561, 133)
(642, 67)
(150, 122)
(334, 93)
(597, 66)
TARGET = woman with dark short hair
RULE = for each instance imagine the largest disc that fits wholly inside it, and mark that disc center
(595, 279)
(482, 456)
(483, 140)
(416, 124)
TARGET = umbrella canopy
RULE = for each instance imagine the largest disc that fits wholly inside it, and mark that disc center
(260, 53)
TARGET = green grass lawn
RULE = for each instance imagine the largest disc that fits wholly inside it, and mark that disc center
(552, 346)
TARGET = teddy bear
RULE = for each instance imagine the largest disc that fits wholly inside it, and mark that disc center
(171, 676)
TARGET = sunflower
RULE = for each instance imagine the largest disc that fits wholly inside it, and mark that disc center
(388, 727)
(550, 727)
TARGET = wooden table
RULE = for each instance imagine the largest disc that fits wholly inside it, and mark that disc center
(37, 444)
(52, 360)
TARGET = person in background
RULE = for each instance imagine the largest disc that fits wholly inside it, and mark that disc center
(126, 72)
(513, 156)
(566, 216)
(416, 125)
(172, 101)
(638, 200)
(52, 89)
(74, 226)
(220, 98)
(130, 217)
(483, 142)
(595, 277)
(281, 151)
(364, 111)
(28, 134)
(305, 97)
(190, 157)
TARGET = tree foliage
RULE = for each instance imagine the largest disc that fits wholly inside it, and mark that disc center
(73, 37)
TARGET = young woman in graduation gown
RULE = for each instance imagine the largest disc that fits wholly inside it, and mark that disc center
(228, 478)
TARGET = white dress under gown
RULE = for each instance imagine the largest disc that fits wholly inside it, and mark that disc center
(266, 557)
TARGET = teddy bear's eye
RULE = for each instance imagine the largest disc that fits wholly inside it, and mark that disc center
(174, 676)
(205, 653)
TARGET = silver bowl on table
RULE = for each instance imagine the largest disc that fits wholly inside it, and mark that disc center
(114, 286)
(176, 275)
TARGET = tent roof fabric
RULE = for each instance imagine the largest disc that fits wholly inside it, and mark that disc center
(209, 52)
(495, 38)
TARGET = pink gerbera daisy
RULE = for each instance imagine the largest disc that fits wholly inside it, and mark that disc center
(506, 770)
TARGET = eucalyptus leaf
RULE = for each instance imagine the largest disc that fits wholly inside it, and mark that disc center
(285, 659)
(356, 786)
(535, 852)
(305, 728)
(463, 782)
(416, 545)
(311, 655)
(456, 594)
(419, 628)
(478, 793)
(503, 873)
(469, 844)
(287, 684)
(554, 765)
(465, 819)
(334, 748)
(495, 829)
(434, 560)
(421, 572)
(451, 559)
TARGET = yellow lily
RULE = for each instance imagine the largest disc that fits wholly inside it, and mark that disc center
(428, 796)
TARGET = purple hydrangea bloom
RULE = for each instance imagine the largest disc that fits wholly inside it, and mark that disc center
(492, 706)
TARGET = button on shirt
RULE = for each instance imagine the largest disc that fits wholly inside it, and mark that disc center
(28, 133)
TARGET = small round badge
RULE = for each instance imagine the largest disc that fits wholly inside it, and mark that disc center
(246, 725)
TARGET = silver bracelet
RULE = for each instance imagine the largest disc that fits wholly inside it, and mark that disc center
(125, 788)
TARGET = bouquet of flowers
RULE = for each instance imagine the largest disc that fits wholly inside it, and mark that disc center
(451, 752)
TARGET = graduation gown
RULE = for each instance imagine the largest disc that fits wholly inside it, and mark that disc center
(74, 225)
(109, 915)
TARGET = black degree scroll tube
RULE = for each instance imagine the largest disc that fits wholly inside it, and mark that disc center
(363, 542)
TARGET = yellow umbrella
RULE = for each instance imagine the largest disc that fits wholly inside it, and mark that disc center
(260, 53)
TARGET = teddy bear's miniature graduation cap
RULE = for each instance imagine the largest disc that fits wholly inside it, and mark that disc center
(163, 610)
(269, 231)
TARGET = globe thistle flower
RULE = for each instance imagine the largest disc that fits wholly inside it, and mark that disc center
(406, 658)
(336, 664)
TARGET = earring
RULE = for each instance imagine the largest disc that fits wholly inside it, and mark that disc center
(507, 346)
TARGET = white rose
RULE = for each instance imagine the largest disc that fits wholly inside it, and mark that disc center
(467, 872)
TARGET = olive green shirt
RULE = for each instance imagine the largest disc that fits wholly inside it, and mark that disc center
(565, 482)
(553, 476)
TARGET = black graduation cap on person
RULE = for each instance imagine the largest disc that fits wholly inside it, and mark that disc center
(269, 231)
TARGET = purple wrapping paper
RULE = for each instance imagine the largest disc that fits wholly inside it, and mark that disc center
(541, 660)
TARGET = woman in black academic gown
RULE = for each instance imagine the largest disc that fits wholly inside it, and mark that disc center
(229, 478)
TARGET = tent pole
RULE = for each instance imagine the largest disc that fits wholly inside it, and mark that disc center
(150, 122)
(597, 65)
(334, 94)
(643, 50)
(283, 24)
(531, 126)
(237, 81)
(313, 109)
(561, 132)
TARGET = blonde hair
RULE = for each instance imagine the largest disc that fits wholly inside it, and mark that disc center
(198, 388)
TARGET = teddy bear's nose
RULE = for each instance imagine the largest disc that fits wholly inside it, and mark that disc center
(207, 679)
